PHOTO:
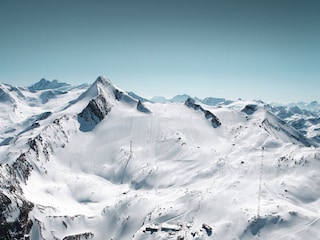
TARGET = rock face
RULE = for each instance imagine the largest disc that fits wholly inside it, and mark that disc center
(94, 112)
(22, 167)
(250, 109)
(14, 209)
(21, 226)
(215, 122)
(83, 236)
(104, 94)
(142, 108)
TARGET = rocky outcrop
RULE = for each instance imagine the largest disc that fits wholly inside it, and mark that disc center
(22, 167)
(125, 97)
(21, 225)
(250, 109)
(14, 209)
(215, 122)
(142, 108)
(93, 113)
(82, 236)
(104, 96)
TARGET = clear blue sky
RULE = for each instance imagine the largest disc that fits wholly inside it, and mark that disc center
(250, 49)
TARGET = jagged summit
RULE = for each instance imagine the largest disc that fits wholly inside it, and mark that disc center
(103, 80)
(44, 84)
(103, 97)
(104, 87)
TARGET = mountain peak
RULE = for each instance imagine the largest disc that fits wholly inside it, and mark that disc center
(103, 97)
(47, 84)
(103, 80)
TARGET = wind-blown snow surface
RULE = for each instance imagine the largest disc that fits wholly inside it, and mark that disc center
(102, 165)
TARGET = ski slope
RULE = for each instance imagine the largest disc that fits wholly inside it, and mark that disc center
(164, 171)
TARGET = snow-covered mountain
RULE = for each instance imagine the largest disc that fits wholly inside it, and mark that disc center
(46, 84)
(94, 162)
(301, 116)
(183, 97)
(177, 98)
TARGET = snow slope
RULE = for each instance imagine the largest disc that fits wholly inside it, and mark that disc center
(301, 116)
(103, 165)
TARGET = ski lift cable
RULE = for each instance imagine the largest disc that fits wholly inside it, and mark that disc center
(127, 162)
(260, 184)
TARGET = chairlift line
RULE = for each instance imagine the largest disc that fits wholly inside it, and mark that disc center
(129, 158)
(260, 183)
(131, 151)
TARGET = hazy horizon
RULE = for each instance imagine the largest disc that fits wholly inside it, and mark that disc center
(236, 49)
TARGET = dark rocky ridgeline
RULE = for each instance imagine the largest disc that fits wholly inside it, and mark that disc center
(14, 209)
(125, 97)
(22, 167)
(250, 109)
(83, 236)
(99, 107)
(215, 122)
(142, 108)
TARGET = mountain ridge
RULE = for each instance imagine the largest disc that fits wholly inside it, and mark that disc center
(153, 170)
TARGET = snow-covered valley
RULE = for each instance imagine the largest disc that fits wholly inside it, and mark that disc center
(93, 162)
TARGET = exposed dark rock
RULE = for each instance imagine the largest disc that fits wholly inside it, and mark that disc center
(22, 167)
(93, 113)
(4, 202)
(82, 236)
(124, 97)
(39, 145)
(21, 226)
(207, 228)
(250, 109)
(6, 141)
(191, 103)
(314, 121)
(13, 204)
(118, 94)
(33, 126)
(215, 122)
(33, 143)
(43, 116)
(142, 108)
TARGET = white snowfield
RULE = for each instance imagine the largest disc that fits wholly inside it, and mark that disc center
(106, 166)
